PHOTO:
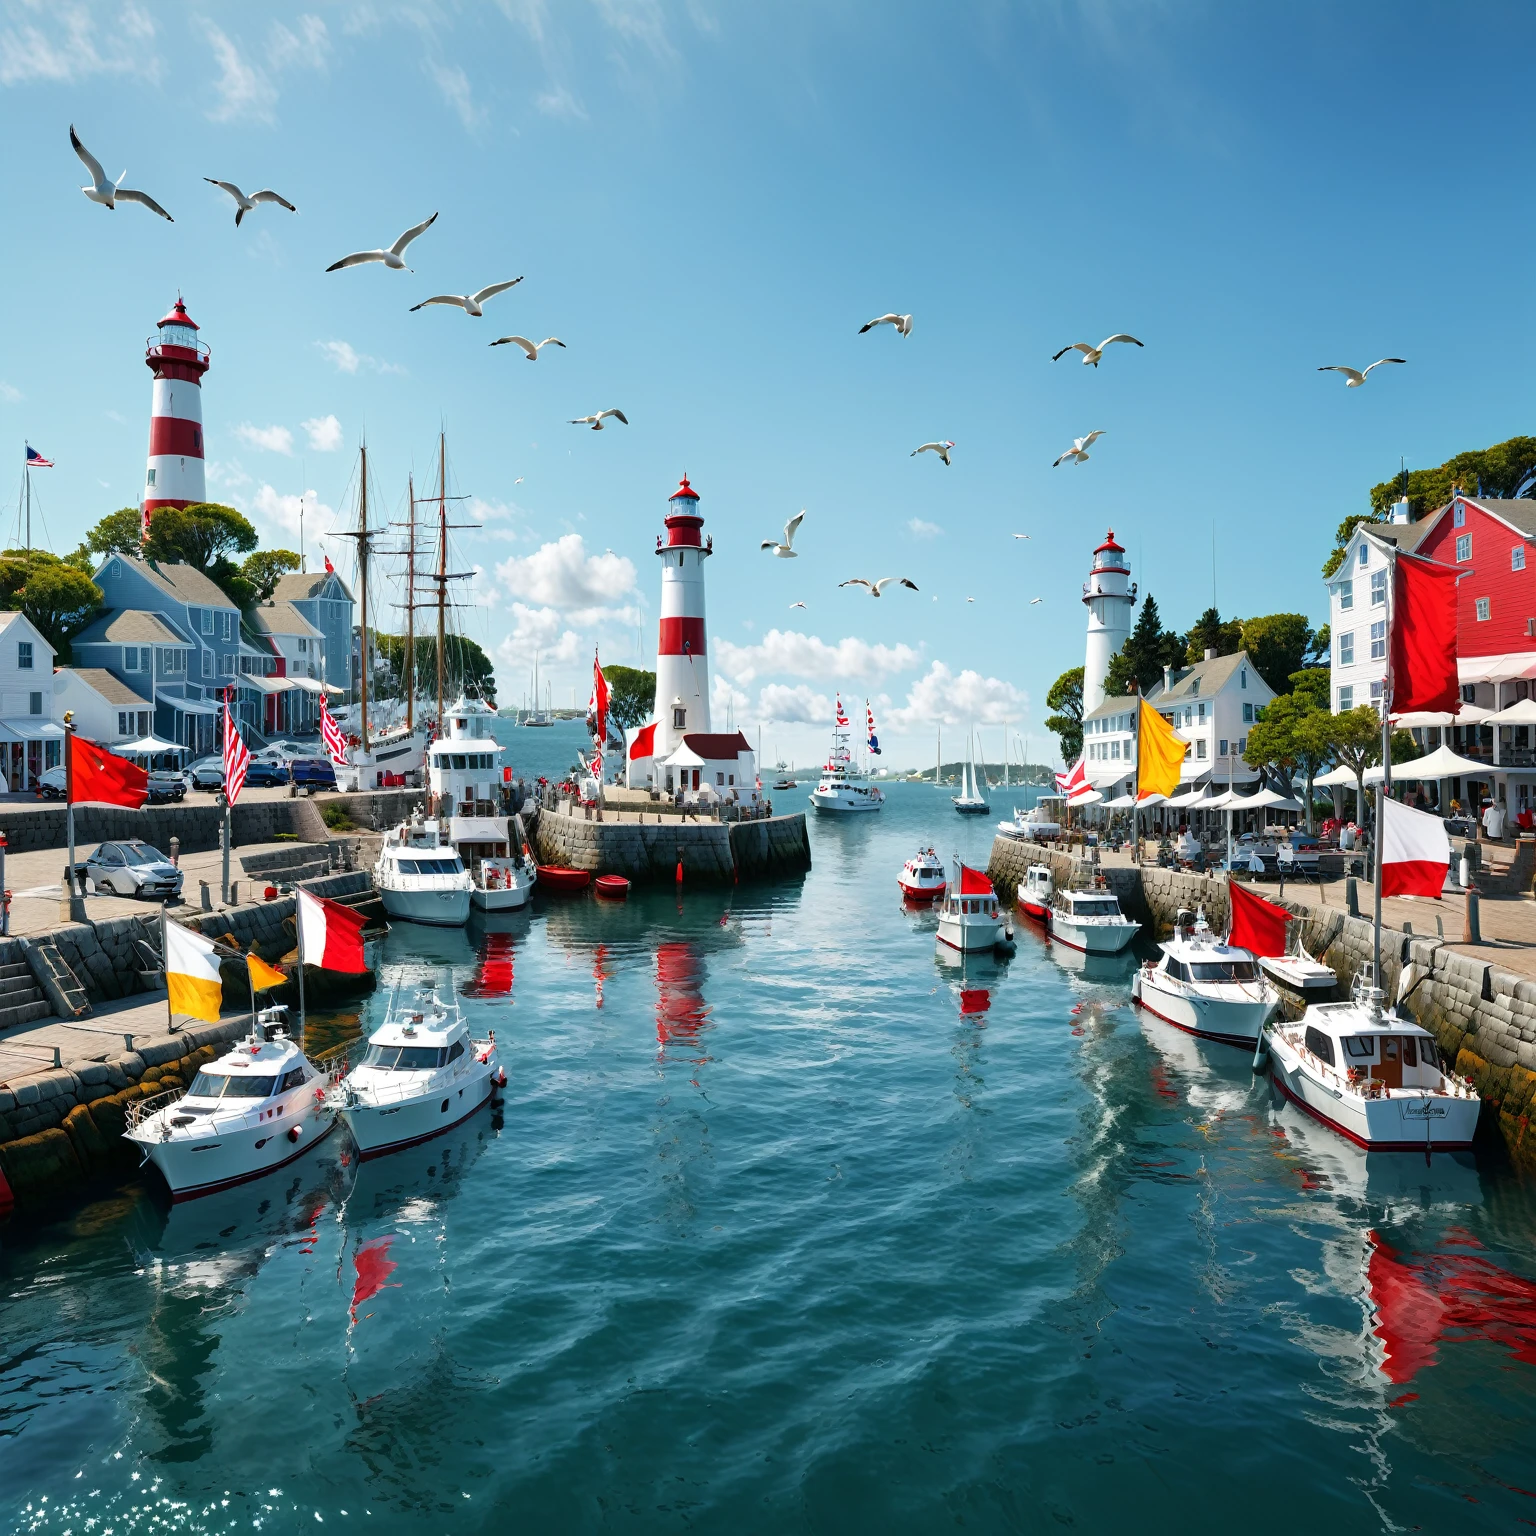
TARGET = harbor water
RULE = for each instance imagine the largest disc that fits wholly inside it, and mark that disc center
(788, 1224)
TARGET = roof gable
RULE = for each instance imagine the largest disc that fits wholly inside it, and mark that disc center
(181, 582)
(1518, 515)
(100, 681)
(274, 617)
(1211, 677)
(717, 746)
(10, 619)
(302, 586)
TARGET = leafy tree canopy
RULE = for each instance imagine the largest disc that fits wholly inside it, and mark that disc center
(1139, 663)
(264, 566)
(1212, 632)
(1341, 537)
(199, 535)
(631, 695)
(1499, 470)
(466, 668)
(1312, 684)
(1277, 644)
(55, 595)
(1065, 701)
(116, 534)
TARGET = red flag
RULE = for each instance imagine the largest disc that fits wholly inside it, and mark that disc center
(329, 568)
(332, 934)
(1424, 636)
(103, 777)
(1415, 852)
(645, 743)
(330, 734)
(973, 882)
(599, 697)
(1257, 925)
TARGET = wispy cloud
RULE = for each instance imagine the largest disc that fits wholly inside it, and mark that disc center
(324, 433)
(230, 474)
(67, 44)
(541, 631)
(9, 394)
(921, 530)
(787, 653)
(269, 439)
(562, 575)
(943, 697)
(454, 84)
(782, 704)
(277, 515)
(247, 87)
(557, 101)
(345, 358)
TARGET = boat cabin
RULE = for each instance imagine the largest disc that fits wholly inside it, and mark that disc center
(464, 765)
(1386, 1054)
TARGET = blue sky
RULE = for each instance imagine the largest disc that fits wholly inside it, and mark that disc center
(706, 201)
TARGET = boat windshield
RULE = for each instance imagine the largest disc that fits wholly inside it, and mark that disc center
(404, 1058)
(431, 866)
(226, 1085)
(1099, 908)
(1224, 970)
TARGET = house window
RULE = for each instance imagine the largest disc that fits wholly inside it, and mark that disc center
(720, 780)
(1469, 693)
(226, 666)
(1223, 752)
(123, 719)
(229, 626)
(1247, 714)
(1365, 553)
(207, 663)
(143, 722)
(1459, 516)
(1346, 699)
(1378, 639)
(1378, 588)
(34, 703)
(130, 658)
(679, 718)
(1202, 710)
(1200, 749)
(1346, 590)
(1347, 648)
(1517, 558)
(1243, 678)
(1242, 745)
(1483, 611)
(1376, 694)
(303, 647)
(151, 480)
(24, 655)
(1464, 547)
(1114, 748)
(207, 621)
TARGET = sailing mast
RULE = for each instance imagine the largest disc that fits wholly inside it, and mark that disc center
(362, 588)
(410, 609)
(442, 562)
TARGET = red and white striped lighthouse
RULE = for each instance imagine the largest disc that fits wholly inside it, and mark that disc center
(682, 660)
(178, 361)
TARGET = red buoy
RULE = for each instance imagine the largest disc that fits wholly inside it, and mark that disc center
(615, 887)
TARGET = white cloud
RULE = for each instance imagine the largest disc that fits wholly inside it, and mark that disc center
(941, 697)
(269, 439)
(247, 89)
(9, 393)
(324, 433)
(921, 530)
(277, 514)
(538, 630)
(483, 510)
(230, 474)
(790, 654)
(557, 101)
(71, 45)
(345, 358)
(723, 696)
(798, 705)
(451, 80)
(563, 575)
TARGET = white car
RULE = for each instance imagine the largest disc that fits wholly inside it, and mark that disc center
(207, 774)
(50, 783)
(282, 753)
(132, 868)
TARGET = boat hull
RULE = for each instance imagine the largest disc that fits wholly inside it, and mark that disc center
(1407, 1124)
(500, 899)
(384, 1128)
(1092, 938)
(971, 938)
(1223, 1020)
(556, 878)
(612, 887)
(435, 909)
(922, 892)
(841, 805)
(204, 1165)
(1035, 909)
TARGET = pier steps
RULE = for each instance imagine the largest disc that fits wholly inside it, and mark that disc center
(21, 1001)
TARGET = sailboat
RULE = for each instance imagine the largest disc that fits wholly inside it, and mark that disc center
(539, 716)
(972, 799)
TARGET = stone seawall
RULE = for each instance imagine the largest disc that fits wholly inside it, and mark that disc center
(29, 827)
(1483, 1018)
(713, 851)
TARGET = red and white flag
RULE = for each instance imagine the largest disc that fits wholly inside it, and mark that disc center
(599, 706)
(329, 568)
(330, 734)
(1415, 851)
(842, 719)
(237, 758)
(1075, 779)
(330, 935)
(973, 882)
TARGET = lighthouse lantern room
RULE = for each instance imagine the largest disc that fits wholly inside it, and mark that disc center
(1109, 594)
(178, 361)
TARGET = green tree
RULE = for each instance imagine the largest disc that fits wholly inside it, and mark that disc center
(1277, 644)
(1354, 739)
(117, 533)
(1498, 469)
(1138, 664)
(264, 566)
(54, 595)
(1281, 739)
(1212, 633)
(1314, 684)
(205, 535)
(1065, 701)
(466, 668)
(1342, 537)
(1322, 647)
(631, 695)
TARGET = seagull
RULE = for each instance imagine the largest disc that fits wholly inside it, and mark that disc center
(470, 302)
(532, 348)
(110, 193)
(1035, 600)
(797, 605)
(877, 587)
(1353, 377)
(786, 551)
(518, 481)
(244, 204)
(595, 421)
(1021, 535)
(970, 599)
(903, 324)
(942, 449)
(1078, 452)
(393, 257)
(1093, 354)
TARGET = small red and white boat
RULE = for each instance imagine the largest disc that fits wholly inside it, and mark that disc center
(614, 887)
(922, 877)
(553, 877)
(1035, 892)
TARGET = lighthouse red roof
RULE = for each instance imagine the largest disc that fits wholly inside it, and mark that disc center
(178, 316)
(684, 492)
(1110, 545)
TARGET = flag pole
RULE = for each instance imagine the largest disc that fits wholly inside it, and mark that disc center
(165, 962)
(298, 933)
(1386, 778)
(224, 796)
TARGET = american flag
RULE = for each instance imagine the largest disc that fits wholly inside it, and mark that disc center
(35, 460)
(330, 734)
(237, 758)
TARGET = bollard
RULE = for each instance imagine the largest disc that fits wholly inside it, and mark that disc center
(176, 851)
(207, 896)
(234, 893)
(5, 895)
(1471, 928)
(1351, 896)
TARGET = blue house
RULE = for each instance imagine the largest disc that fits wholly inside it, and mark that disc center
(322, 597)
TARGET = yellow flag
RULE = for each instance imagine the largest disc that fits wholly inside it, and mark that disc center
(262, 974)
(192, 974)
(1159, 754)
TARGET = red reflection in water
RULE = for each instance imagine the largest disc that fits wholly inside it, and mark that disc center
(1160, 1081)
(1449, 1296)
(374, 1266)
(681, 1012)
(974, 1000)
(494, 976)
(600, 972)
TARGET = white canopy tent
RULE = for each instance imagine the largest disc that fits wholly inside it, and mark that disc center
(1119, 803)
(1523, 713)
(1442, 763)
(1265, 800)
(1341, 776)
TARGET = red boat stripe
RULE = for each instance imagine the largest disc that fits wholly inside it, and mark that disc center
(1370, 1146)
(1189, 1029)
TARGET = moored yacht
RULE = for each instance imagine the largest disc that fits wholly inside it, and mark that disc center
(972, 799)
(422, 1074)
(1091, 921)
(1035, 892)
(922, 877)
(843, 787)
(258, 1106)
(1372, 1075)
(1205, 986)
(421, 878)
(1016, 829)
(970, 919)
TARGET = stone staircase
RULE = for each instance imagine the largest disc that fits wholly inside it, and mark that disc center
(21, 999)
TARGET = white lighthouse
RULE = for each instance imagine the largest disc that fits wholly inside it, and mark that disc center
(178, 360)
(1109, 595)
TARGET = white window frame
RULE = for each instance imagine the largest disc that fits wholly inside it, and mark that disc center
(1200, 749)
(24, 662)
(207, 620)
(1517, 558)
(1459, 516)
(1346, 698)
(1378, 640)
(1363, 559)
(1483, 608)
(1378, 589)
(229, 625)
(1463, 548)
(34, 703)
(207, 663)
(1347, 648)
(1346, 591)
(130, 658)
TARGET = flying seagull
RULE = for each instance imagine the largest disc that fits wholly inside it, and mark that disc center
(469, 302)
(786, 550)
(110, 193)
(970, 599)
(595, 421)
(1035, 600)
(797, 605)
(1078, 452)
(1353, 377)
(1093, 354)
(877, 587)
(1021, 535)
(244, 204)
(942, 449)
(532, 348)
(393, 257)
(903, 324)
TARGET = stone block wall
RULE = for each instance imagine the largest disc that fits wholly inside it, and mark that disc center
(709, 850)
(29, 827)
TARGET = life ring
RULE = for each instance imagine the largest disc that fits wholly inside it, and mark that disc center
(294, 1132)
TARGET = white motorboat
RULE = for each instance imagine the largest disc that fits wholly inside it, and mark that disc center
(1091, 921)
(1206, 987)
(1044, 822)
(1300, 972)
(1018, 828)
(1372, 1075)
(922, 877)
(1035, 892)
(972, 799)
(970, 919)
(421, 878)
(843, 787)
(422, 1074)
(257, 1107)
